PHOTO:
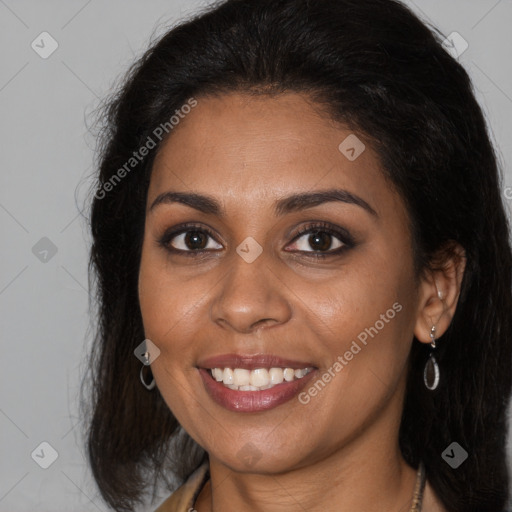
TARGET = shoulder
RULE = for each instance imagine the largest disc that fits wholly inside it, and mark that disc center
(182, 499)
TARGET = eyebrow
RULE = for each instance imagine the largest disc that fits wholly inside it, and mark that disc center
(296, 202)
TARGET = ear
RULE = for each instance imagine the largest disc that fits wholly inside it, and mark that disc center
(439, 292)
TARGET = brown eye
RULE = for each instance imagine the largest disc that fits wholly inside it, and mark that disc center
(189, 240)
(317, 241)
(320, 241)
(195, 240)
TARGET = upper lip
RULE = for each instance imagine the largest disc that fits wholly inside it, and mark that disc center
(252, 361)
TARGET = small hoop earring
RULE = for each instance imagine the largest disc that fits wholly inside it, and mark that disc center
(151, 385)
(431, 370)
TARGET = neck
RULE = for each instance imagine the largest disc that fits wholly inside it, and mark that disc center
(251, 493)
(368, 473)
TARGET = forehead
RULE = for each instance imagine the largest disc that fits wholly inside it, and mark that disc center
(248, 149)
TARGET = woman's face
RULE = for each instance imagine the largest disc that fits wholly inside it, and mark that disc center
(258, 296)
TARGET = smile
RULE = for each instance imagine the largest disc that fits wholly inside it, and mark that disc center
(259, 379)
(253, 383)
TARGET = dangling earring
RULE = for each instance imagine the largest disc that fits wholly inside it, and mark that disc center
(431, 371)
(151, 385)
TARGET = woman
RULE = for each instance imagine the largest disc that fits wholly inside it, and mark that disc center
(299, 227)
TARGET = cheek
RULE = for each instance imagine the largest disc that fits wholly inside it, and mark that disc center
(166, 315)
(364, 321)
(160, 306)
(352, 301)
(152, 296)
(171, 307)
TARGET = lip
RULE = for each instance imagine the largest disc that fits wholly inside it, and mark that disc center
(253, 401)
(251, 362)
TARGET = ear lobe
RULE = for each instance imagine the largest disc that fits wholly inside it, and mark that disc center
(439, 291)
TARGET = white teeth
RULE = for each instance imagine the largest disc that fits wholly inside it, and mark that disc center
(300, 373)
(258, 379)
(276, 375)
(242, 377)
(228, 376)
(288, 374)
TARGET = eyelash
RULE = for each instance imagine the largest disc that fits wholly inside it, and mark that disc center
(324, 227)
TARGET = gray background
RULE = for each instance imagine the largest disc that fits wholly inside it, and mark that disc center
(47, 161)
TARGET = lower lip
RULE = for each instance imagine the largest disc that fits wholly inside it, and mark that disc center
(253, 401)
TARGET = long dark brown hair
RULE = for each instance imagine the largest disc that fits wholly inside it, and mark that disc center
(378, 69)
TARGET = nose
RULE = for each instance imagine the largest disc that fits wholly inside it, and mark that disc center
(250, 296)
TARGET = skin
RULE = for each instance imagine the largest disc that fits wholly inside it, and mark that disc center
(339, 451)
